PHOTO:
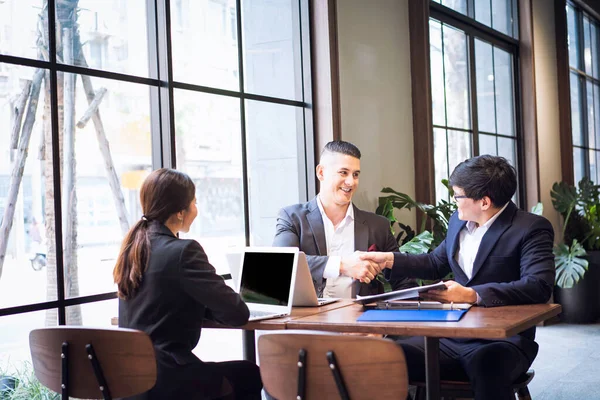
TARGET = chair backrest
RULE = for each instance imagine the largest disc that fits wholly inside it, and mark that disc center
(126, 358)
(369, 367)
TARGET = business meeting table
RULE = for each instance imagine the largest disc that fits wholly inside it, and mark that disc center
(477, 323)
(341, 316)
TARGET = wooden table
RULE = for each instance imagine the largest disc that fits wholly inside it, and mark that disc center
(249, 337)
(477, 323)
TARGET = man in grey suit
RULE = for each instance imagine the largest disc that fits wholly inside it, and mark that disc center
(331, 230)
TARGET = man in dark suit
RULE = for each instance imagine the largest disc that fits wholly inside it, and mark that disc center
(331, 230)
(500, 256)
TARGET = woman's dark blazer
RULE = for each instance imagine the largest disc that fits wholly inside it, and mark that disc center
(179, 290)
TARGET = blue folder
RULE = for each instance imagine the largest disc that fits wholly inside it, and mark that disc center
(411, 315)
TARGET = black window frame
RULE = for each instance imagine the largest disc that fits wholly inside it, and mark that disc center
(162, 118)
(476, 30)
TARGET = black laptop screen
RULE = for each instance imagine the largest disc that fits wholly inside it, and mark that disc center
(267, 278)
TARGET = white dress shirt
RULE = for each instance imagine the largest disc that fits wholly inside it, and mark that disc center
(469, 241)
(340, 242)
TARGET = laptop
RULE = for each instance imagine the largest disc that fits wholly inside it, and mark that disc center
(267, 278)
(304, 292)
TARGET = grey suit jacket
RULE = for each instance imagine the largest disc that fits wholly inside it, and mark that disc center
(301, 225)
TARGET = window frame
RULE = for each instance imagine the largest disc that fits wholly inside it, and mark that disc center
(564, 71)
(162, 118)
(524, 96)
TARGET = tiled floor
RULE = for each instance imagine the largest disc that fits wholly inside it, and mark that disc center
(568, 363)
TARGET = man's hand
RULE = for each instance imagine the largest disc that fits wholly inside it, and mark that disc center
(383, 260)
(362, 270)
(455, 292)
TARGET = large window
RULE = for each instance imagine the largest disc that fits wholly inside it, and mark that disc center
(97, 93)
(584, 80)
(473, 58)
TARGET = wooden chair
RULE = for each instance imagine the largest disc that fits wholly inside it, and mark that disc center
(324, 366)
(456, 389)
(89, 363)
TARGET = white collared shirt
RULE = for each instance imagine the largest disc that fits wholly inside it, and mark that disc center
(340, 242)
(469, 242)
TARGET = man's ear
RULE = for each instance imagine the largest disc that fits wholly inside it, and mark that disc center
(486, 203)
(319, 170)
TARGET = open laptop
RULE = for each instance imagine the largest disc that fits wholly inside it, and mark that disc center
(304, 292)
(266, 282)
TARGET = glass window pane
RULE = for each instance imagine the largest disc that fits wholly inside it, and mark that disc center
(440, 155)
(502, 16)
(211, 153)
(459, 148)
(104, 161)
(578, 163)
(487, 145)
(21, 23)
(507, 148)
(483, 12)
(504, 86)
(587, 43)
(15, 357)
(573, 37)
(484, 74)
(272, 59)
(594, 48)
(208, 27)
(457, 5)
(591, 113)
(576, 116)
(26, 182)
(456, 78)
(597, 167)
(98, 314)
(596, 140)
(437, 73)
(593, 156)
(112, 35)
(274, 155)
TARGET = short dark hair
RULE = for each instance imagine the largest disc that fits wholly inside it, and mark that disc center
(339, 146)
(486, 175)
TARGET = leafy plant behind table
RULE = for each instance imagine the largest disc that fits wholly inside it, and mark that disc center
(580, 209)
(408, 240)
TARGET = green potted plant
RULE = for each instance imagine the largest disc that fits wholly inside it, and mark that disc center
(577, 257)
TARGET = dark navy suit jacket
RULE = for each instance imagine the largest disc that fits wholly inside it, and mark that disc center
(514, 264)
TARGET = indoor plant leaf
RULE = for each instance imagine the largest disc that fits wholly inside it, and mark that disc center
(570, 268)
(420, 244)
(564, 197)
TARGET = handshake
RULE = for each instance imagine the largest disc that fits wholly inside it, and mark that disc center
(364, 266)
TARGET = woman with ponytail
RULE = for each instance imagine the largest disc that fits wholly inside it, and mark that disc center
(167, 288)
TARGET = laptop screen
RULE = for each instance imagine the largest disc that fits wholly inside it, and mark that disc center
(267, 278)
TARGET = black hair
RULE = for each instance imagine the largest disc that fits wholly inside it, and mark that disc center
(339, 146)
(486, 175)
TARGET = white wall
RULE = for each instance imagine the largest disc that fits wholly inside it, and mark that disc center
(546, 82)
(375, 92)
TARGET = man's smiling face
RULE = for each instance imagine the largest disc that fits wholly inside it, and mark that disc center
(338, 174)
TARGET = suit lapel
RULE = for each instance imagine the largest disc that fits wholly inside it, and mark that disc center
(489, 240)
(361, 231)
(315, 220)
(453, 239)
